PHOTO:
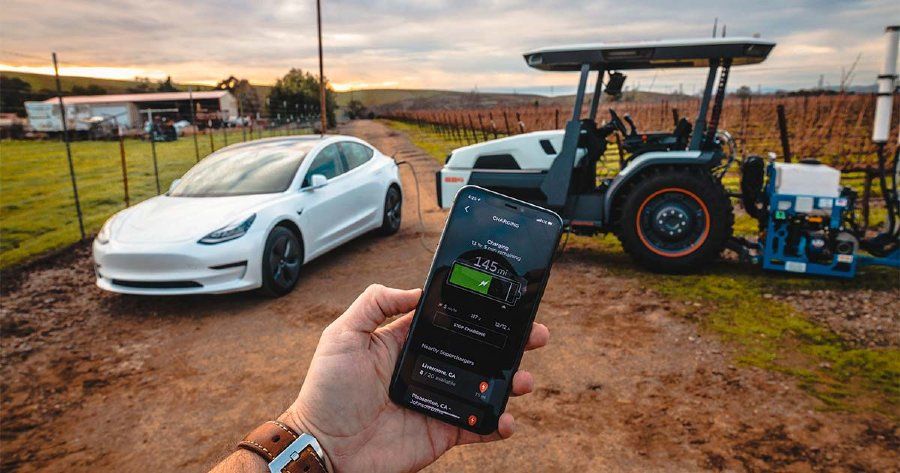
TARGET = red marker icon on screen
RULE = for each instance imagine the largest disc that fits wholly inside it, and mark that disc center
(483, 387)
(472, 421)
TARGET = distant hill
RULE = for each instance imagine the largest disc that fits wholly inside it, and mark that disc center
(381, 100)
(385, 100)
(112, 86)
(377, 97)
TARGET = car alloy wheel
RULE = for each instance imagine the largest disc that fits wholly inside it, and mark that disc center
(393, 208)
(284, 261)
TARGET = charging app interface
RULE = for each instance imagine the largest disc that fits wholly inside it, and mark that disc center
(487, 277)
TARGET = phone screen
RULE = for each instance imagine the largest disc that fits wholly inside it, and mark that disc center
(476, 312)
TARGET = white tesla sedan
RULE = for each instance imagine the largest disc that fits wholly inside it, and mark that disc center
(248, 216)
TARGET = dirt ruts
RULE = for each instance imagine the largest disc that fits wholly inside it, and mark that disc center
(99, 382)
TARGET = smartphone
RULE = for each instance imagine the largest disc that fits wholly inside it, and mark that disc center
(479, 301)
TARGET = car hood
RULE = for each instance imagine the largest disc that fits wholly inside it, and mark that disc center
(165, 219)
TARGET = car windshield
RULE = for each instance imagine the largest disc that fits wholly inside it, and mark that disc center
(243, 171)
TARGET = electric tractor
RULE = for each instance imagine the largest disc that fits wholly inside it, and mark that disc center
(667, 204)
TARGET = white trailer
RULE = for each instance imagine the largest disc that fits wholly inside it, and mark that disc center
(81, 111)
(45, 116)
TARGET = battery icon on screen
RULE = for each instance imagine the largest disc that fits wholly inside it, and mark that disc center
(486, 284)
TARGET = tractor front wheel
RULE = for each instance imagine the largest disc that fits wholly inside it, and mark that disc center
(675, 220)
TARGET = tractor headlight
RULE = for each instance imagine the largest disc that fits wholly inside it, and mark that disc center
(229, 232)
(105, 232)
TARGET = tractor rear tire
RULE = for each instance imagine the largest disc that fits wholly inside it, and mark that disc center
(674, 219)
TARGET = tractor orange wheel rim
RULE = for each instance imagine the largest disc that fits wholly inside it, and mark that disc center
(686, 251)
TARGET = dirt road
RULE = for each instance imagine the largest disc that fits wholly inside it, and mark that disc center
(99, 382)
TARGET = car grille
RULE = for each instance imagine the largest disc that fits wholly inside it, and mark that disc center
(156, 284)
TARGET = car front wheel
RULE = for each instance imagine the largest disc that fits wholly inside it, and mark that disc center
(393, 206)
(282, 258)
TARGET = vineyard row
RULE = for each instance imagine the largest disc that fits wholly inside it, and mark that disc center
(834, 129)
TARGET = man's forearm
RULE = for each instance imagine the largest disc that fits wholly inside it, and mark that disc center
(241, 461)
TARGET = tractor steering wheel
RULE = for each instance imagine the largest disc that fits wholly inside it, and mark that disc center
(617, 122)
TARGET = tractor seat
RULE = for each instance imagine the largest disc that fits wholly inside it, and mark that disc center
(641, 143)
(682, 131)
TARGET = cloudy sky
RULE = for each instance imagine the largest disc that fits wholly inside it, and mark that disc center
(446, 44)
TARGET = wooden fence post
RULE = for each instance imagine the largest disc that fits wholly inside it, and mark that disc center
(155, 166)
(484, 135)
(867, 194)
(462, 124)
(65, 135)
(124, 166)
(783, 132)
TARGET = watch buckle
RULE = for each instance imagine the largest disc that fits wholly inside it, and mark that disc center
(293, 451)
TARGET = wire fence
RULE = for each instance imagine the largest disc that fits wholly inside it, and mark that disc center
(37, 201)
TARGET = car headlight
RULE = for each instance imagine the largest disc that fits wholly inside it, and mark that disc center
(105, 232)
(228, 232)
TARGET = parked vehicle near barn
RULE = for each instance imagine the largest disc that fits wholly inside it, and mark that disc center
(249, 216)
(129, 110)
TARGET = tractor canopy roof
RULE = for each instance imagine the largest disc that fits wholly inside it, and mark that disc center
(650, 54)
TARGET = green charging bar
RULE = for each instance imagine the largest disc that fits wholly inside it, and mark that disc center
(471, 279)
(495, 287)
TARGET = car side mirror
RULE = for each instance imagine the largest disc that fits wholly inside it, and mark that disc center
(173, 185)
(317, 180)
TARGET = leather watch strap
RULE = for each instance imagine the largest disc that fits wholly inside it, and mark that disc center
(270, 439)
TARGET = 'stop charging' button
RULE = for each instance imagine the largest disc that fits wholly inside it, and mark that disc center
(474, 332)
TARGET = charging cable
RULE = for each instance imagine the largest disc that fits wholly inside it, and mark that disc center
(418, 205)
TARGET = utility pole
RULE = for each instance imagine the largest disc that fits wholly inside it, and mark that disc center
(321, 68)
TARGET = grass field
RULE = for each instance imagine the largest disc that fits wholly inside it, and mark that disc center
(37, 210)
(741, 306)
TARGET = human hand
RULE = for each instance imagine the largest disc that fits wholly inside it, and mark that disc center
(344, 400)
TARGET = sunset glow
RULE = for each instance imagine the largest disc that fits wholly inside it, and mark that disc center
(101, 72)
(425, 45)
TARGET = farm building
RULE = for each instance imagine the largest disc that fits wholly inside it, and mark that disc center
(130, 110)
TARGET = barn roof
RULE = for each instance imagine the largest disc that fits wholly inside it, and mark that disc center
(150, 97)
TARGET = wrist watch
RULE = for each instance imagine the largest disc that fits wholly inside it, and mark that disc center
(284, 450)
